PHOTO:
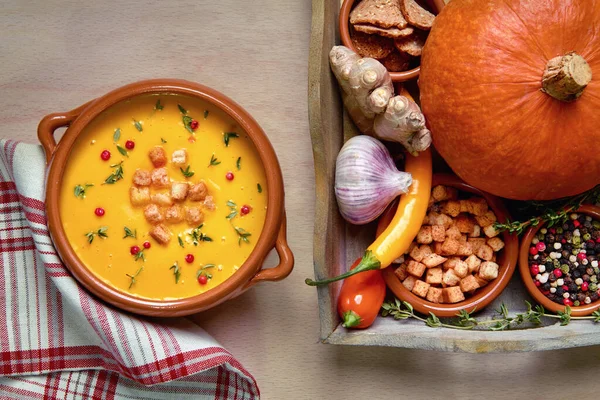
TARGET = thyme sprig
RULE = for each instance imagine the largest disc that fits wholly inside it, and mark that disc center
(229, 135)
(214, 160)
(158, 106)
(138, 125)
(79, 190)
(198, 236)
(176, 271)
(186, 172)
(555, 212)
(130, 233)
(101, 233)
(139, 256)
(116, 175)
(132, 277)
(232, 210)
(202, 271)
(242, 235)
(401, 310)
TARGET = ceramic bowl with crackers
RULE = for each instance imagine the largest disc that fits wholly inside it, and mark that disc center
(393, 32)
(457, 261)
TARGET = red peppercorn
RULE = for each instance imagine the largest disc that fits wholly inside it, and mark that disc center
(189, 258)
(576, 224)
(229, 176)
(581, 256)
(538, 283)
(567, 302)
(552, 231)
(533, 250)
(202, 279)
(598, 240)
(540, 246)
(194, 124)
(245, 209)
(147, 245)
(557, 273)
(545, 292)
(565, 288)
(129, 145)
(534, 269)
(585, 286)
(563, 241)
(134, 250)
(99, 211)
(105, 155)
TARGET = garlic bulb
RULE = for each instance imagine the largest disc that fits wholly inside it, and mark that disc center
(366, 179)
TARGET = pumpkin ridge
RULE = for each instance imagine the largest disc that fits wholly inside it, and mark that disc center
(527, 30)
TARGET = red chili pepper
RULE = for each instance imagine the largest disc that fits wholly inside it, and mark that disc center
(361, 297)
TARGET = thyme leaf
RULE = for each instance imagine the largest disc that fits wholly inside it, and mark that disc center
(180, 242)
(163, 141)
(238, 163)
(259, 188)
(79, 190)
(158, 106)
(101, 233)
(138, 125)
(132, 277)
(232, 210)
(116, 175)
(176, 271)
(117, 135)
(181, 109)
(140, 255)
(122, 151)
(213, 160)
(229, 135)
(129, 233)
(186, 172)
(205, 114)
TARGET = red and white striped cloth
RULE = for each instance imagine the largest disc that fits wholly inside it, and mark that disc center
(57, 341)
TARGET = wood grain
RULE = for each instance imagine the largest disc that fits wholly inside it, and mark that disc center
(57, 54)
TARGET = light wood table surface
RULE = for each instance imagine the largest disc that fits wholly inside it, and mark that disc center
(55, 55)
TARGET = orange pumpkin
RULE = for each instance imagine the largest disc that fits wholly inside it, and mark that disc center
(506, 99)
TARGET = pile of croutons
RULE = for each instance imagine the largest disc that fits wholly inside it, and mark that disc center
(455, 250)
(163, 199)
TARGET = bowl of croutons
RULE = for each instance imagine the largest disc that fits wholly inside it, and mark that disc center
(164, 197)
(458, 261)
(390, 31)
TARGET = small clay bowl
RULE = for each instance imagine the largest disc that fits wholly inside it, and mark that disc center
(250, 273)
(533, 290)
(344, 24)
(507, 259)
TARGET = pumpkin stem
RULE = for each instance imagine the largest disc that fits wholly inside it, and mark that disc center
(565, 77)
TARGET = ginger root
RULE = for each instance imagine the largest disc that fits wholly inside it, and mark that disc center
(403, 122)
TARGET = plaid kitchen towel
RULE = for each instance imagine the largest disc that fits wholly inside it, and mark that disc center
(57, 341)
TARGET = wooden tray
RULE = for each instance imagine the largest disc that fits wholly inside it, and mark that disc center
(337, 244)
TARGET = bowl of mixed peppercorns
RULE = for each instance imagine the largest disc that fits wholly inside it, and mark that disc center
(559, 263)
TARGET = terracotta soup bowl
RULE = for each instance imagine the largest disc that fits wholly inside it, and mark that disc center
(507, 259)
(344, 23)
(528, 279)
(164, 197)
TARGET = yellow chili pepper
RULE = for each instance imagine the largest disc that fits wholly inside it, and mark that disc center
(396, 239)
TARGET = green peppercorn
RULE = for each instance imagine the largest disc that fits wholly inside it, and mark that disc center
(596, 224)
(587, 237)
(593, 287)
(564, 268)
(576, 242)
(593, 278)
(576, 303)
(559, 230)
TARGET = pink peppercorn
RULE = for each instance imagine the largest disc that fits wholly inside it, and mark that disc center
(567, 302)
(552, 231)
(129, 145)
(533, 250)
(189, 258)
(202, 279)
(245, 209)
(229, 176)
(540, 246)
(134, 250)
(565, 288)
(147, 245)
(194, 124)
(105, 155)
(534, 269)
(585, 286)
(557, 273)
(563, 241)
(576, 224)
(598, 240)
(99, 211)
(538, 283)
(581, 256)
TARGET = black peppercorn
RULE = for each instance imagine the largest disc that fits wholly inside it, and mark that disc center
(551, 277)
(572, 288)
(581, 297)
(594, 296)
(576, 274)
(586, 277)
(546, 286)
(559, 291)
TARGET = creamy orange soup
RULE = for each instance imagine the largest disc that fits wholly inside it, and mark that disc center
(163, 231)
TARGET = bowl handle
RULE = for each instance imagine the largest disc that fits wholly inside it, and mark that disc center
(286, 259)
(52, 122)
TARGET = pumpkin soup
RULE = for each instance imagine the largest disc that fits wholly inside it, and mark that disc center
(164, 196)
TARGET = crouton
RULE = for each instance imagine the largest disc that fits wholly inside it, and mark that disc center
(488, 270)
(160, 178)
(437, 248)
(420, 288)
(425, 250)
(440, 219)
(461, 269)
(139, 196)
(490, 231)
(434, 276)
(473, 263)
(478, 206)
(438, 233)
(415, 268)
(485, 252)
(433, 260)
(179, 191)
(198, 191)
(476, 243)
(142, 177)
(409, 282)
(434, 295)
(162, 199)
(209, 203)
(466, 206)
(398, 260)
(494, 257)
(424, 235)
(451, 262)
(416, 254)
(464, 223)
(158, 156)
(450, 247)
(452, 294)
(194, 215)
(425, 220)
(161, 234)
(476, 232)
(179, 157)
(451, 207)
(174, 214)
(486, 219)
(495, 243)
(464, 249)
(449, 278)
(480, 281)
(153, 214)
(463, 238)
(401, 272)
(453, 232)
(468, 283)
(441, 193)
